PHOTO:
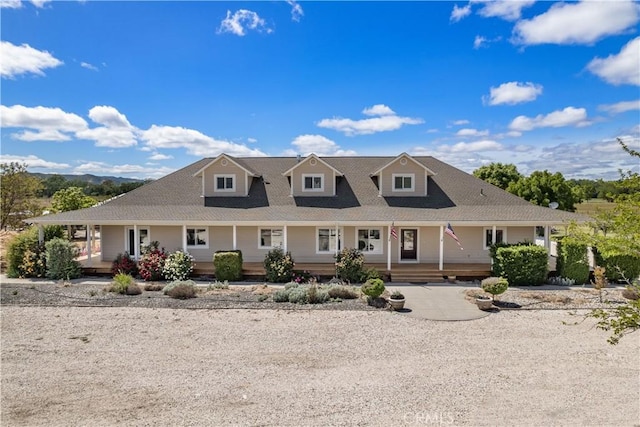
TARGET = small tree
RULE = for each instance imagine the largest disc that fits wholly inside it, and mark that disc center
(498, 174)
(71, 199)
(17, 195)
(495, 286)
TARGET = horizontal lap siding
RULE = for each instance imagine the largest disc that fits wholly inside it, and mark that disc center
(386, 179)
(111, 241)
(308, 169)
(229, 169)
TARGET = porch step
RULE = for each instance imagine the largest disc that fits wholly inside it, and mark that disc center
(417, 277)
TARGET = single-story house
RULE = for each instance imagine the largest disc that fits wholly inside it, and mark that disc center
(396, 210)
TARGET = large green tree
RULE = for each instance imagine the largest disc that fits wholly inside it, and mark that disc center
(543, 187)
(71, 199)
(18, 195)
(498, 174)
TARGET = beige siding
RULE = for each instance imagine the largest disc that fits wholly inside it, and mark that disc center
(168, 237)
(302, 245)
(520, 234)
(228, 169)
(306, 168)
(410, 167)
(111, 241)
(471, 239)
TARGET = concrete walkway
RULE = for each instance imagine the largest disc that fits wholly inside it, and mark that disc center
(438, 301)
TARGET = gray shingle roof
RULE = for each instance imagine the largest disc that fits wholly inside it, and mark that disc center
(454, 196)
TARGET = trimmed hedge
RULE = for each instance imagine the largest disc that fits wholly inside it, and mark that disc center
(521, 264)
(228, 265)
(572, 260)
(629, 266)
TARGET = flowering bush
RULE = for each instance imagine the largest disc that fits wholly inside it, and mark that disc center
(34, 262)
(350, 265)
(124, 264)
(178, 266)
(278, 266)
(301, 276)
(152, 262)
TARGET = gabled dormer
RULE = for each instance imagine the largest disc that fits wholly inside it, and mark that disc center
(225, 176)
(312, 176)
(404, 176)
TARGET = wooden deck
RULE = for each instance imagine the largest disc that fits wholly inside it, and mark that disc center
(412, 273)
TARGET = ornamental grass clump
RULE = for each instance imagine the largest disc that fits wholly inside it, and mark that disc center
(178, 266)
(495, 285)
(124, 284)
(278, 266)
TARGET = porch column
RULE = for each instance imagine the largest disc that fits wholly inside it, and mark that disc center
(441, 263)
(284, 238)
(89, 243)
(40, 234)
(547, 239)
(389, 248)
(136, 242)
(184, 238)
(235, 237)
(493, 235)
(337, 239)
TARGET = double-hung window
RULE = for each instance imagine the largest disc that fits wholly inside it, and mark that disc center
(403, 182)
(328, 240)
(271, 238)
(369, 240)
(501, 236)
(312, 182)
(225, 182)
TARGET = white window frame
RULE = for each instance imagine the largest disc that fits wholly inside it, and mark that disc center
(313, 175)
(484, 236)
(271, 229)
(225, 176)
(142, 245)
(195, 229)
(378, 248)
(339, 240)
(403, 175)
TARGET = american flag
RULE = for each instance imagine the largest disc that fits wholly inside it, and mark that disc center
(393, 232)
(449, 231)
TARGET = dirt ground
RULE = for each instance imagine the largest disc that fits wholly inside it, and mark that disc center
(150, 366)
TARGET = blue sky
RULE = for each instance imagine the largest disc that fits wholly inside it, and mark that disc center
(140, 89)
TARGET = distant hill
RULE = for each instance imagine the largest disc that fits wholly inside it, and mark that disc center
(93, 179)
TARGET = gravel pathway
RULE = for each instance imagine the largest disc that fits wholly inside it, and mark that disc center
(148, 366)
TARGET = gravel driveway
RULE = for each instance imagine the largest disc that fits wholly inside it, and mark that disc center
(163, 366)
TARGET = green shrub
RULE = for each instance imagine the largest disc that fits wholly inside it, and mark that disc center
(124, 263)
(521, 264)
(281, 295)
(350, 265)
(619, 267)
(316, 295)
(290, 285)
(298, 295)
(133, 289)
(228, 265)
(373, 288)
(153, 287)
(342, 292)
(121, 282)
(182, 291)
(572, 260)
(371, 273)
(278, 266)
(178, 266)
(61, 263)
(495, 285)
(152, 262)
(176, 283)
(28, 241)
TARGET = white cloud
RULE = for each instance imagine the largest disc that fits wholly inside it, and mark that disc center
(241, 21)
(620, 107)
(464, 147)
(512, 93)
(252, 140)
(508, 10)
(578, 23)
(136, 171)
(459, 12)
(160, 156)
(479, 41)
(40, 3)
(10, 4)
(88, 66)
(115, 132)
(623, 68)
(570, 116)
(461, 122)
(472, 132)
(32, 162)
(51, 124)
(318, 144)
(387, 121)
(195, 142)
(296, 10)
(23, 59)
(378, 110)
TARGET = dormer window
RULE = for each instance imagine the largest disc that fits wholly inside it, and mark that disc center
(225, 182)
(312, 182)
(403, 182)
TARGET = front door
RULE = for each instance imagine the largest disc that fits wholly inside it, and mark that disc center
(409, 245)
